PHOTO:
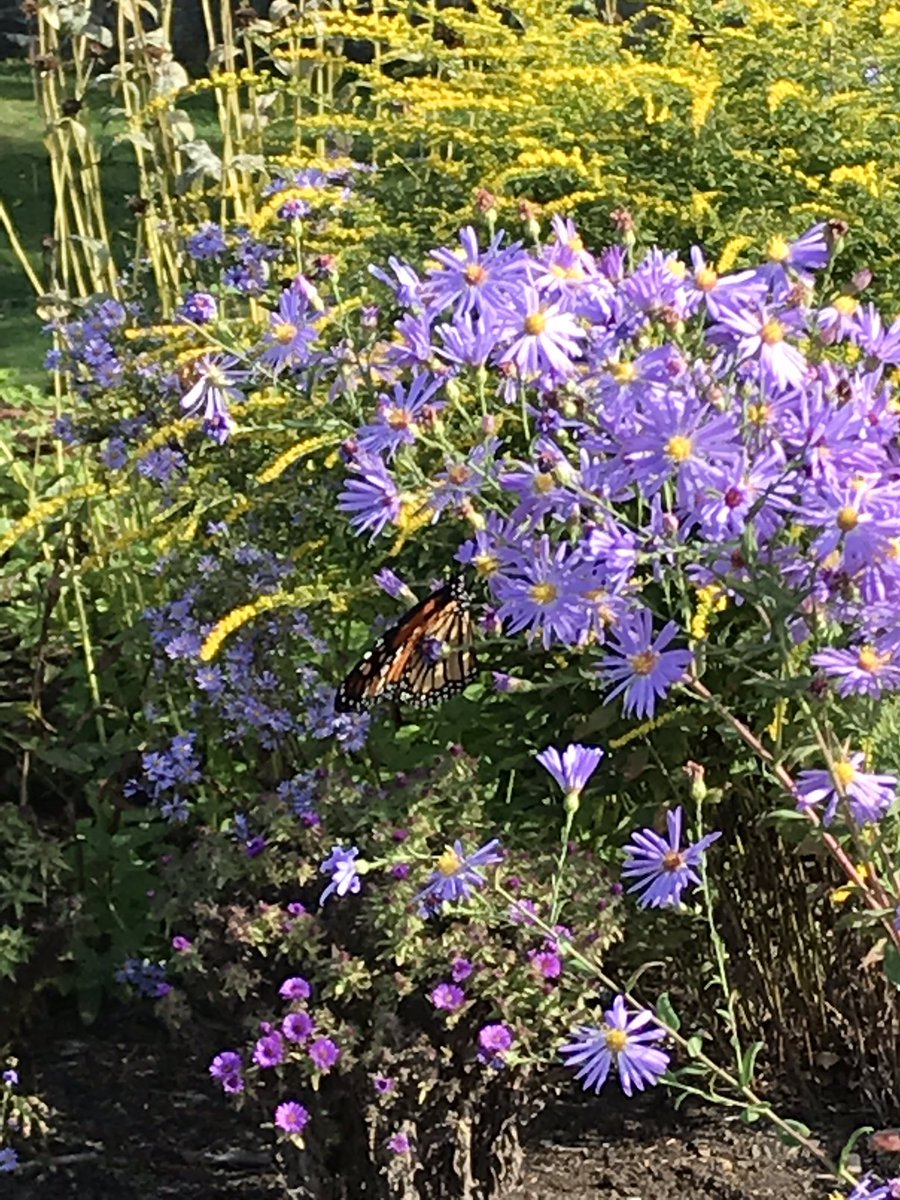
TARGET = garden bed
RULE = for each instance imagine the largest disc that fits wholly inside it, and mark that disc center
(135, 1118)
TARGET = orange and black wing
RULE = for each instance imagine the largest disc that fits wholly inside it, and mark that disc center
(423, 659)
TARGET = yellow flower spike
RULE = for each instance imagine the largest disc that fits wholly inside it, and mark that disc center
(164, 434)
(648, 727)
(46, 509)
(277, 468)
(300, 598)
(733, 249)
(413, 516)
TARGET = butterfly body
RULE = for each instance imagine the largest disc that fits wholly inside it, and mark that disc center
(424, 658)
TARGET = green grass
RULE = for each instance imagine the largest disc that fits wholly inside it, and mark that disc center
(25, 190)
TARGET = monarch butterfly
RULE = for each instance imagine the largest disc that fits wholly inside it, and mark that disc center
(421, 660)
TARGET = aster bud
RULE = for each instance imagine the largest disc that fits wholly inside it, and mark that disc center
(696, 774)
(571, 803)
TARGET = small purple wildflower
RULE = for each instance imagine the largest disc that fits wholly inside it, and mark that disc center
(291, 1117)
(573, 768)
(456, 874)
(227, 1068)
(269, 1050)
(344, 870)
(298, 1027)
(399, 1143)
(295, 988)
(640, 665)
(324, 1054)
(868, 796)
(447, 996)
(663, 870)
(494, 1040)
(621, 1041)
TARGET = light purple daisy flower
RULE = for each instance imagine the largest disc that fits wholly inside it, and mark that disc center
(215, 386)
(545, 339)
(291, 1117)
(447, 996)
(341, 865)
(869, 796)
(760, 334)
(867, 670)
(622, 1041)
(540, 590)
(573, 768)
(640, 665)
(661, 868)
(290, 334)
(457, 875)
(370, 497)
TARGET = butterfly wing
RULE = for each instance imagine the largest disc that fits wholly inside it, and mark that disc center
(400, 665)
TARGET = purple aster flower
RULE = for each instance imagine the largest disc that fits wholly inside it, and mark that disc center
(400, 416)
(295, 988)
(227, 1068)
(494, 1041)
(384, 1085)
(540, 590)
(298, 1027)
(460, 969)
(621, 1041)
(810, 252)
(207, 242)
(289, 336)
(869, 796)
(291, 1117)
(269, 1050)
(371, 497)
(643, 668)
(867, 670)
(407, 287)
(545, 340)
(115, 455)
(10, 1077)
(447, 996)
(759, 335)
(181, 945)
(858, 519)
(456, 874)
(215, 386)
(661, 868)
(9, 1160)
(573, 768)
(324, 1054)
(389, 581)
(476, 280)
(341, 865)
(398, 1143)
(869, 1188)
(199, 307)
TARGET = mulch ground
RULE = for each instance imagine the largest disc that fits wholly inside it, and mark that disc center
(135, 1120)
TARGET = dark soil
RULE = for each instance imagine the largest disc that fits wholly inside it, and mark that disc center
(135, 1119)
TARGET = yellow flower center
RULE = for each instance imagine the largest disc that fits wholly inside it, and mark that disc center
(870, 660)
(844, 773)
(847, 518)
(544, 484)
(644, 663)
(216, 376)
(679, 448)
(673, 860)
(459, 473)
(543, 593)
(772, 332)
(398, 418)
(535, 323)
(623, 372)
(616, 1040)
(486, 564)
(574, 274)
(706, 279)
(677, 269)
(846, 305)
(285, 333)
(475, 274)
(575, 244)
(777, 250)
(759, 414)
(449, 862)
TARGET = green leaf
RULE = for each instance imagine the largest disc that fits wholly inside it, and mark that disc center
(667, 1013)
(892, 964)
(695, 1045)
(850, 1144)
(748, 1063)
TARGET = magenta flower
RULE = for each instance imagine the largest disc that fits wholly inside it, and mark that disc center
(546, 963)
(494, 1042)
(640, 665)
(622, 1041)
(868, 796)
(447, 996)
(295, 988)
(661, 868)
(460, 969)
(269, 1050)
(324, 1054)
(573, 768)
(227, 1068)
(181, 945)
(399, 1143)
(298, 1027)
(291, 1117)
